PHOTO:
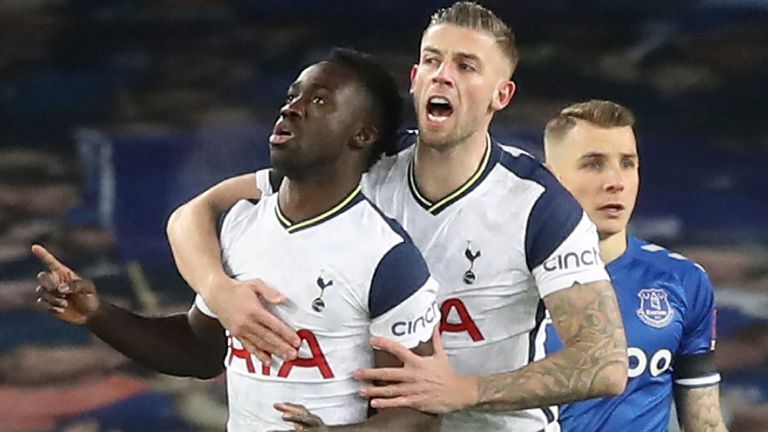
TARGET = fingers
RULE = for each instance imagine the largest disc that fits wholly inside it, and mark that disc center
(49, 281)
(252, 347)
(387, 391)
(298, 415)
(397, 402)
(437, 342)
(271, 295)
(51, 302)
(257, 338)
(278, 336)
(288, 407)
(53, 263)
(384, 375)
(404, 354)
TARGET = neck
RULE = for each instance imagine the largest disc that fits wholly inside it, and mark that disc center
(440, 171)
(613, 246)
(304, 198)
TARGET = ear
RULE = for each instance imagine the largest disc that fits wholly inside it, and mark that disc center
(414, 69)
(503, 95)
(365, 137)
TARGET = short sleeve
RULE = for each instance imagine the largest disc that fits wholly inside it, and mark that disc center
(694, 360)
(563, 257)
(402, 298)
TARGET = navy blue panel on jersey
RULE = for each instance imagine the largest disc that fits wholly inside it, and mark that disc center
(406, 139)
(666, 305)
(553, 217)
(400, 273)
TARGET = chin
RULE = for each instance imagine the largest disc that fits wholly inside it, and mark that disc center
(606, 230)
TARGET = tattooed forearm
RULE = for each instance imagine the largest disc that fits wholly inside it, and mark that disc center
(592, 363)
(699, 409)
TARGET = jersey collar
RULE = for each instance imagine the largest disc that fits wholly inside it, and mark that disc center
(490, 157)
(353, 198)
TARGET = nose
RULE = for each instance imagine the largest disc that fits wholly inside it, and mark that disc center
(444, 75)
(614, 181)
(294, 108)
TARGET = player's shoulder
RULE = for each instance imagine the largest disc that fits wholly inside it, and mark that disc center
(406, 142)
(245, 209)
(240, 216)
(378, 223)
(523, 165)
(533, 184)
(392, 167)
(664, 260)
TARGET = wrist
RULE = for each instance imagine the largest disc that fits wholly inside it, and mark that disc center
(470, 390)
(98, 315)
(213, 283)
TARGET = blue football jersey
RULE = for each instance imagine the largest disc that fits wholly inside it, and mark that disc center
(667, 304)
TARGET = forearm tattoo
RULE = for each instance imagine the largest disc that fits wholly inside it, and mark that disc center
(593, 361)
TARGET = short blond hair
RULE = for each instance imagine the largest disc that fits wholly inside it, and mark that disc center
(476, 17)
(601, 113)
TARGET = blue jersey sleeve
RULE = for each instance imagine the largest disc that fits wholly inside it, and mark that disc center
(694, 364)
(699, 328)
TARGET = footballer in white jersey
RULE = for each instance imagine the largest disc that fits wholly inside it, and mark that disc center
(348, 274)
(508, 237)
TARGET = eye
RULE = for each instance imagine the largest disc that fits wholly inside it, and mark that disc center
(466, 67)
(318, 100)
(289, 98)
(593, 165)
(628, 163)
(430, 61)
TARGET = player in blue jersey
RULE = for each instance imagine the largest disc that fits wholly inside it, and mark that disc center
(339, 116)
(666, 300)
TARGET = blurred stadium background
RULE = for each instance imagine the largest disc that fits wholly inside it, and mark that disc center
(113, 112)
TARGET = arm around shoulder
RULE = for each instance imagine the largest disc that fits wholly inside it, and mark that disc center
(191, 231)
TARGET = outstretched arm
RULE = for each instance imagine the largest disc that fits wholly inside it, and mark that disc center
(194, 242)
(192, 233)
(185, 345)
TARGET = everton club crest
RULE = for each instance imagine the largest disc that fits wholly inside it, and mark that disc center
(655, 309)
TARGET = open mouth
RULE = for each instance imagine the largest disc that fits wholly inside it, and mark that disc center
(439, 109)
(281, 133)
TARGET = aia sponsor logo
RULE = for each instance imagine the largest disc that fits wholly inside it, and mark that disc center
(317, 360)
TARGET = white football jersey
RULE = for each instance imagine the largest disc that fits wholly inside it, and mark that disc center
(501, 242)
(348, 274)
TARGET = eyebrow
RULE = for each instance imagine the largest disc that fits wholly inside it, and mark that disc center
(592, 155)
(311, 86)
(461, 54)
